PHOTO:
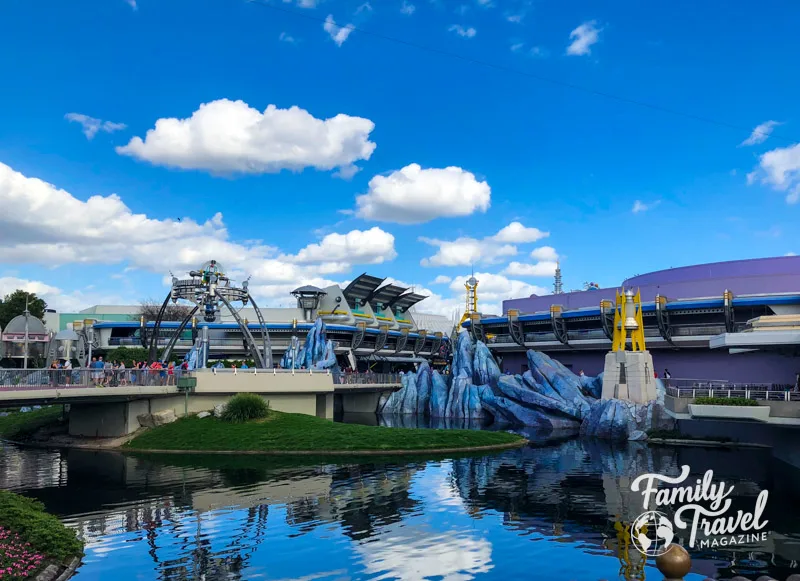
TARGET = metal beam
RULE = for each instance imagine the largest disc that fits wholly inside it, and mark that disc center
(730, 319)
(515, 327)
(265, 338)
(607, 318)
(173, 340)
(380, 340)
(401, 341)
(662, 318)
(358, 336)
(152, 355)
(248, 337)
(559, 324)
(419, 343)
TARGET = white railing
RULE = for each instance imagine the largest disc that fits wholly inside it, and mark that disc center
(33, 379)
(735, 390)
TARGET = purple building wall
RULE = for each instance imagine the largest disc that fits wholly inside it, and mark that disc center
(757, 367)
(758, 276)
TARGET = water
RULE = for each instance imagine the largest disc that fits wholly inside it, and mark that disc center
(542, 512)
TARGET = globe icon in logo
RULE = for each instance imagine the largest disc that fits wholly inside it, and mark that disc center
(652, 533)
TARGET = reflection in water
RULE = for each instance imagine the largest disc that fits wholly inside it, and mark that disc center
(554, 511)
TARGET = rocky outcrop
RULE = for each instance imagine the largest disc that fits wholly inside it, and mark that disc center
(157, 419)
(548, 397)
(316, 353)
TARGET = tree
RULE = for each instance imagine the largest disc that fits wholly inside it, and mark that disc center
(14, 304)
(174, 312)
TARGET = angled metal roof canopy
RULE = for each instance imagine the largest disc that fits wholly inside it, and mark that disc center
(361, 289)
(386, 294)
(404, 302)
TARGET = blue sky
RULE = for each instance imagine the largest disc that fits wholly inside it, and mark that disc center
(298, 151)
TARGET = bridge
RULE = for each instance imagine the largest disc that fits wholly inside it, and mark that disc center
(107, 403)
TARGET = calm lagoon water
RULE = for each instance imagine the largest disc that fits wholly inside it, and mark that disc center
(543, 512)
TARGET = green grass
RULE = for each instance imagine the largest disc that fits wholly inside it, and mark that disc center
(17, 426)
(43, 531)
(282, 432)
(731, 401)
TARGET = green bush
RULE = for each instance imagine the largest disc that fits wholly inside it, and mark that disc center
(733, 401)
(243, 407)
(43, 531)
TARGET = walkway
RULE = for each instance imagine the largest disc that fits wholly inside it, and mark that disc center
(43, 386)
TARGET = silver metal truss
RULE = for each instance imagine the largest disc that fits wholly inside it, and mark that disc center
(401, 341)
(420, 341)
(662, 318)
(380, 340)
(515, 327)
(358, 336)
(730, 319)
(607, 318)
(173, 340)
(559, 324)
(209, 288)
(438, 337)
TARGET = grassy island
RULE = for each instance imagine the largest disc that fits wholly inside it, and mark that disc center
(284, 433)
(18, 426)
(31, 539)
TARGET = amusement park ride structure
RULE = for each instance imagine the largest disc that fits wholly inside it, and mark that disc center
(208, 288)
(629, 375)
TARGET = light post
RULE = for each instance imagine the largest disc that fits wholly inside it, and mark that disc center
(27, 313)
(88, 325)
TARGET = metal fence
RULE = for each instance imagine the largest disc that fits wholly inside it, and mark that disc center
(27, 379)
(33, 379)
(367, 378)
(736, 390)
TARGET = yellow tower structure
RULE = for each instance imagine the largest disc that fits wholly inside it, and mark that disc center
(628, 320)
(471, 307)
(629, 374)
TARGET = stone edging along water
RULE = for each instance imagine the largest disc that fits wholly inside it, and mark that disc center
(419, 452)
(704, 443)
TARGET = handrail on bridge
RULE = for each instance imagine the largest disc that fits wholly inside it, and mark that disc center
(736, 390)
(38, 379)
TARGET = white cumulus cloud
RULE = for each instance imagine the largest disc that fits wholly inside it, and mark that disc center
(337, 33)
(462, 31)
(761, 133)
(495, 288)
(516, 233)
(441, 279)
(407, 8)
(229, 137)
(466, 251)
(547, 253)
(640, 206)
(541, 268)
(32, 231)
(780, 168)
(91, 126)
(373, 246)
(414, 195)
(582, 38)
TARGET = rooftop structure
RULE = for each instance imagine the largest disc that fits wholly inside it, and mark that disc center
(695, 320)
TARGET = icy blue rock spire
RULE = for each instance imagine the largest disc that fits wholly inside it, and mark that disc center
(316, 353)
(547, 397)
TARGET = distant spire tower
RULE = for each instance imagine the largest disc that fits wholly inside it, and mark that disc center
(471, 306)
(558, 287)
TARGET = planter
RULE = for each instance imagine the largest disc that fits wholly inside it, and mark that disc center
(730, 412)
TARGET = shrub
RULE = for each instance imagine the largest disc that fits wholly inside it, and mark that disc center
(26, 526)
(243, 407)
(732, 401)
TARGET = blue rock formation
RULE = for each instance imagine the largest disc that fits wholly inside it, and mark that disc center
(316, 353)
(547, 398)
